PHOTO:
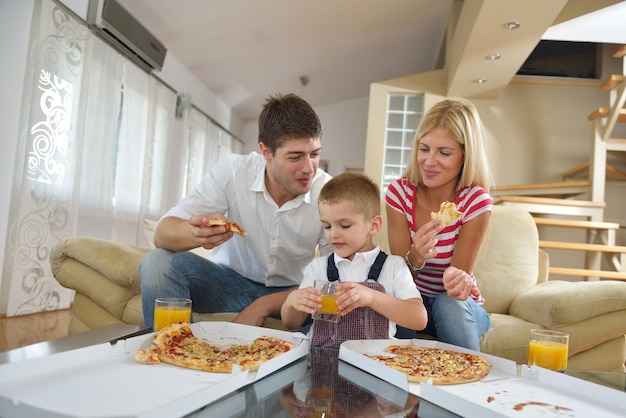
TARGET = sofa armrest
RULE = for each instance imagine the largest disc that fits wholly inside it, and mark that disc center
(554, 304)
(116, 261)
(544, 267)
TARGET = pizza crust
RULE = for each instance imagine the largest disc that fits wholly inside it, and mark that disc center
(447, 213)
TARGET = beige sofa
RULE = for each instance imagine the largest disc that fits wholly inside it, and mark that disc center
(512, 274)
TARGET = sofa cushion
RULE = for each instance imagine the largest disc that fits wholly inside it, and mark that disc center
(509, 263)
(133, 312)
(507, 337)
(606, 356)
(559, 303)
(149, 226)
(117, 262)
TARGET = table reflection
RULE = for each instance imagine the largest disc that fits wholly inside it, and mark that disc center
(331, 388)
(321, 385)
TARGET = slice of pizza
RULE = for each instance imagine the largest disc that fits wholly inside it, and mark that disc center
(230, 226)
(447, 213)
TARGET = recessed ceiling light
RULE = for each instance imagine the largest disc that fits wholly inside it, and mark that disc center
(481, 80)
(493, 57)
(512, 25)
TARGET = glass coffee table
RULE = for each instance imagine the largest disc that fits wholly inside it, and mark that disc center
(109, 333)
(317, 385)
(321, 385)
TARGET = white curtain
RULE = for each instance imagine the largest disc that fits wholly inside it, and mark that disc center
(207, 143)
(127, 122)
(94, 138)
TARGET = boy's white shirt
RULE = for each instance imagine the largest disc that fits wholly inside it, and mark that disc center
(395, 275)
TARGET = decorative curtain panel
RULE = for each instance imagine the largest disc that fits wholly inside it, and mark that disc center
(95, 131)
(207, 143)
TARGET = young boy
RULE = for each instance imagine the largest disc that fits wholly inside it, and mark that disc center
(376, 290)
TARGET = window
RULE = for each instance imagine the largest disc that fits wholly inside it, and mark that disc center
(404, 113)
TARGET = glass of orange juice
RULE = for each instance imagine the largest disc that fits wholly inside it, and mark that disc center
(548, 349)
(329, 310)
(171, 310)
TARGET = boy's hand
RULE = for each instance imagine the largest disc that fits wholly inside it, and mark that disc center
(307, 300)
(354, 295)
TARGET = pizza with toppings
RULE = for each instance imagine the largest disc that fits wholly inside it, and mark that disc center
(230, 226)
(177, 345)
(447, 213)
(444, 367)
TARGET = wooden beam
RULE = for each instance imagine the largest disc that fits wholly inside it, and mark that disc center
(578, 246)
(560, 189)
(587, 273)
(603, 112)
(613, 81)
(570, 223)
(549, 201)
(620, 52)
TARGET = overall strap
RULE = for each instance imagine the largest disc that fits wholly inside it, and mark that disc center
(333, 273)
(377, 266)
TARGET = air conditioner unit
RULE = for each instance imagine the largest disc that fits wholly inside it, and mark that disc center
(117, 26)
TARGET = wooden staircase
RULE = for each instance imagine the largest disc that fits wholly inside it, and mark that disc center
(554, 206)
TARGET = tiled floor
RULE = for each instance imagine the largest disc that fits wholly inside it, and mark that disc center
(19, 331)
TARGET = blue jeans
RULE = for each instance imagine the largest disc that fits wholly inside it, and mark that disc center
(453, 321)
(211, 287)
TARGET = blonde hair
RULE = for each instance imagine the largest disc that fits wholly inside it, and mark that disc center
(461, 120)
(353, 187)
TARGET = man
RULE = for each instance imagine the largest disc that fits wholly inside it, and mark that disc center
(272, 196)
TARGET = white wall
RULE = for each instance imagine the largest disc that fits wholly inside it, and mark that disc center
(344, 134)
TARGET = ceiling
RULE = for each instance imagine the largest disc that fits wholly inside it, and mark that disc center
(245, 50)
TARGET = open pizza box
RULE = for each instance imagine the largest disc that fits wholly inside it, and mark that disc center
(502, 393)
(105, 381)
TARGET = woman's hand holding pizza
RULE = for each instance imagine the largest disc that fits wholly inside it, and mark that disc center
(459, 284)
(424, 241)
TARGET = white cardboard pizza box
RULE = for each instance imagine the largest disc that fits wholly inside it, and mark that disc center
(105, 381)
(502, 393)
(352, 352)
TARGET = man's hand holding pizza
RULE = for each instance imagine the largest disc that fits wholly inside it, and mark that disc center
(209, 236)
(210, 231)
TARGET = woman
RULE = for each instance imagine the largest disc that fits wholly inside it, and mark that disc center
(448, 163)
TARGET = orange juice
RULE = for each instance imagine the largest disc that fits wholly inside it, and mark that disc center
(548, 354)
(165, 315)
(329, 304)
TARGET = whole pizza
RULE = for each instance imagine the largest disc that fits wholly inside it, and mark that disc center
(177, 345)
(444, 367)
